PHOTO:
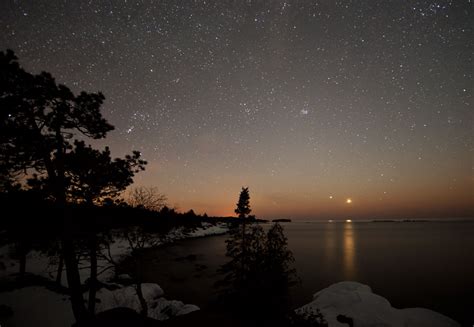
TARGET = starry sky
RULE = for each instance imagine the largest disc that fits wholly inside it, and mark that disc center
(308, 103)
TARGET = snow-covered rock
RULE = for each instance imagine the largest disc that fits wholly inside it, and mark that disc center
(158, 307)
(356, 301)
(208, 229)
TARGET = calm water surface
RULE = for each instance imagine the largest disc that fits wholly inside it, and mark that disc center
(412, 264)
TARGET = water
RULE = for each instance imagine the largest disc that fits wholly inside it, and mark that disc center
(412, 264)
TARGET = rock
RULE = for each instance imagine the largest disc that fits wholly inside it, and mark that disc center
(346, 302)
(158, 307)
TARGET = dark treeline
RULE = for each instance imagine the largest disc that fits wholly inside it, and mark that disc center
(28, 211)
(31, 222)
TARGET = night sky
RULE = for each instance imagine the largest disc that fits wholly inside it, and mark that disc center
(309, 103)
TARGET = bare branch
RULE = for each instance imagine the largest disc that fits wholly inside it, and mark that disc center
(147, 197)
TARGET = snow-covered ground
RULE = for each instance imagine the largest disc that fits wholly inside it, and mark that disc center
(36, 306)
(32, 304)
(158, 307)
(356, 301)
(207, 229)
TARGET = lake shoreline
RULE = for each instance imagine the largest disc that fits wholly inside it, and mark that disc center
(188, 267)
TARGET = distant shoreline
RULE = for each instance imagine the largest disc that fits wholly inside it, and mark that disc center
(443, 220)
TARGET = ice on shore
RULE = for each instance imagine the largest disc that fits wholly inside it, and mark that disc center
(357, 301)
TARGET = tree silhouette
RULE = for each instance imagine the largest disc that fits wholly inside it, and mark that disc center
(258, 274)
(279, 276)
(279, 257)
(243, 210)
(243, 260)
(38, 121)
(93, 175)
(257, 277)
(243, 206)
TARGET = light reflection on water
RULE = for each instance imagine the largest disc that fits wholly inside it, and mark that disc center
(330, 253)
(349, 252)
(340, 248)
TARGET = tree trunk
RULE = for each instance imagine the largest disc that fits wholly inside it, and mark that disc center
(60, 269)
(93, 276)
(70, 260)
(67, 243)
(244, 252)
(144, 311)
(73, 280)
(22, 253)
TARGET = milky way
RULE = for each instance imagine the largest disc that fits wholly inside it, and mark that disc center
(308, 103)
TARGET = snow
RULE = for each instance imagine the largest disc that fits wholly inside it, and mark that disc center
(121, 248)
(208, 229)
(357, 301)
(36, 263)
(31, 304)
(158, 307)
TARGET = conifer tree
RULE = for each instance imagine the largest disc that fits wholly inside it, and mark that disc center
(258, 273)
(243, 206)
(39, 119)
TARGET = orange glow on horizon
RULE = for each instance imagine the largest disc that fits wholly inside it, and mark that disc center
(307, 202)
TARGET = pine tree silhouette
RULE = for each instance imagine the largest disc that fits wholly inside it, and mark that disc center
(38, 122)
